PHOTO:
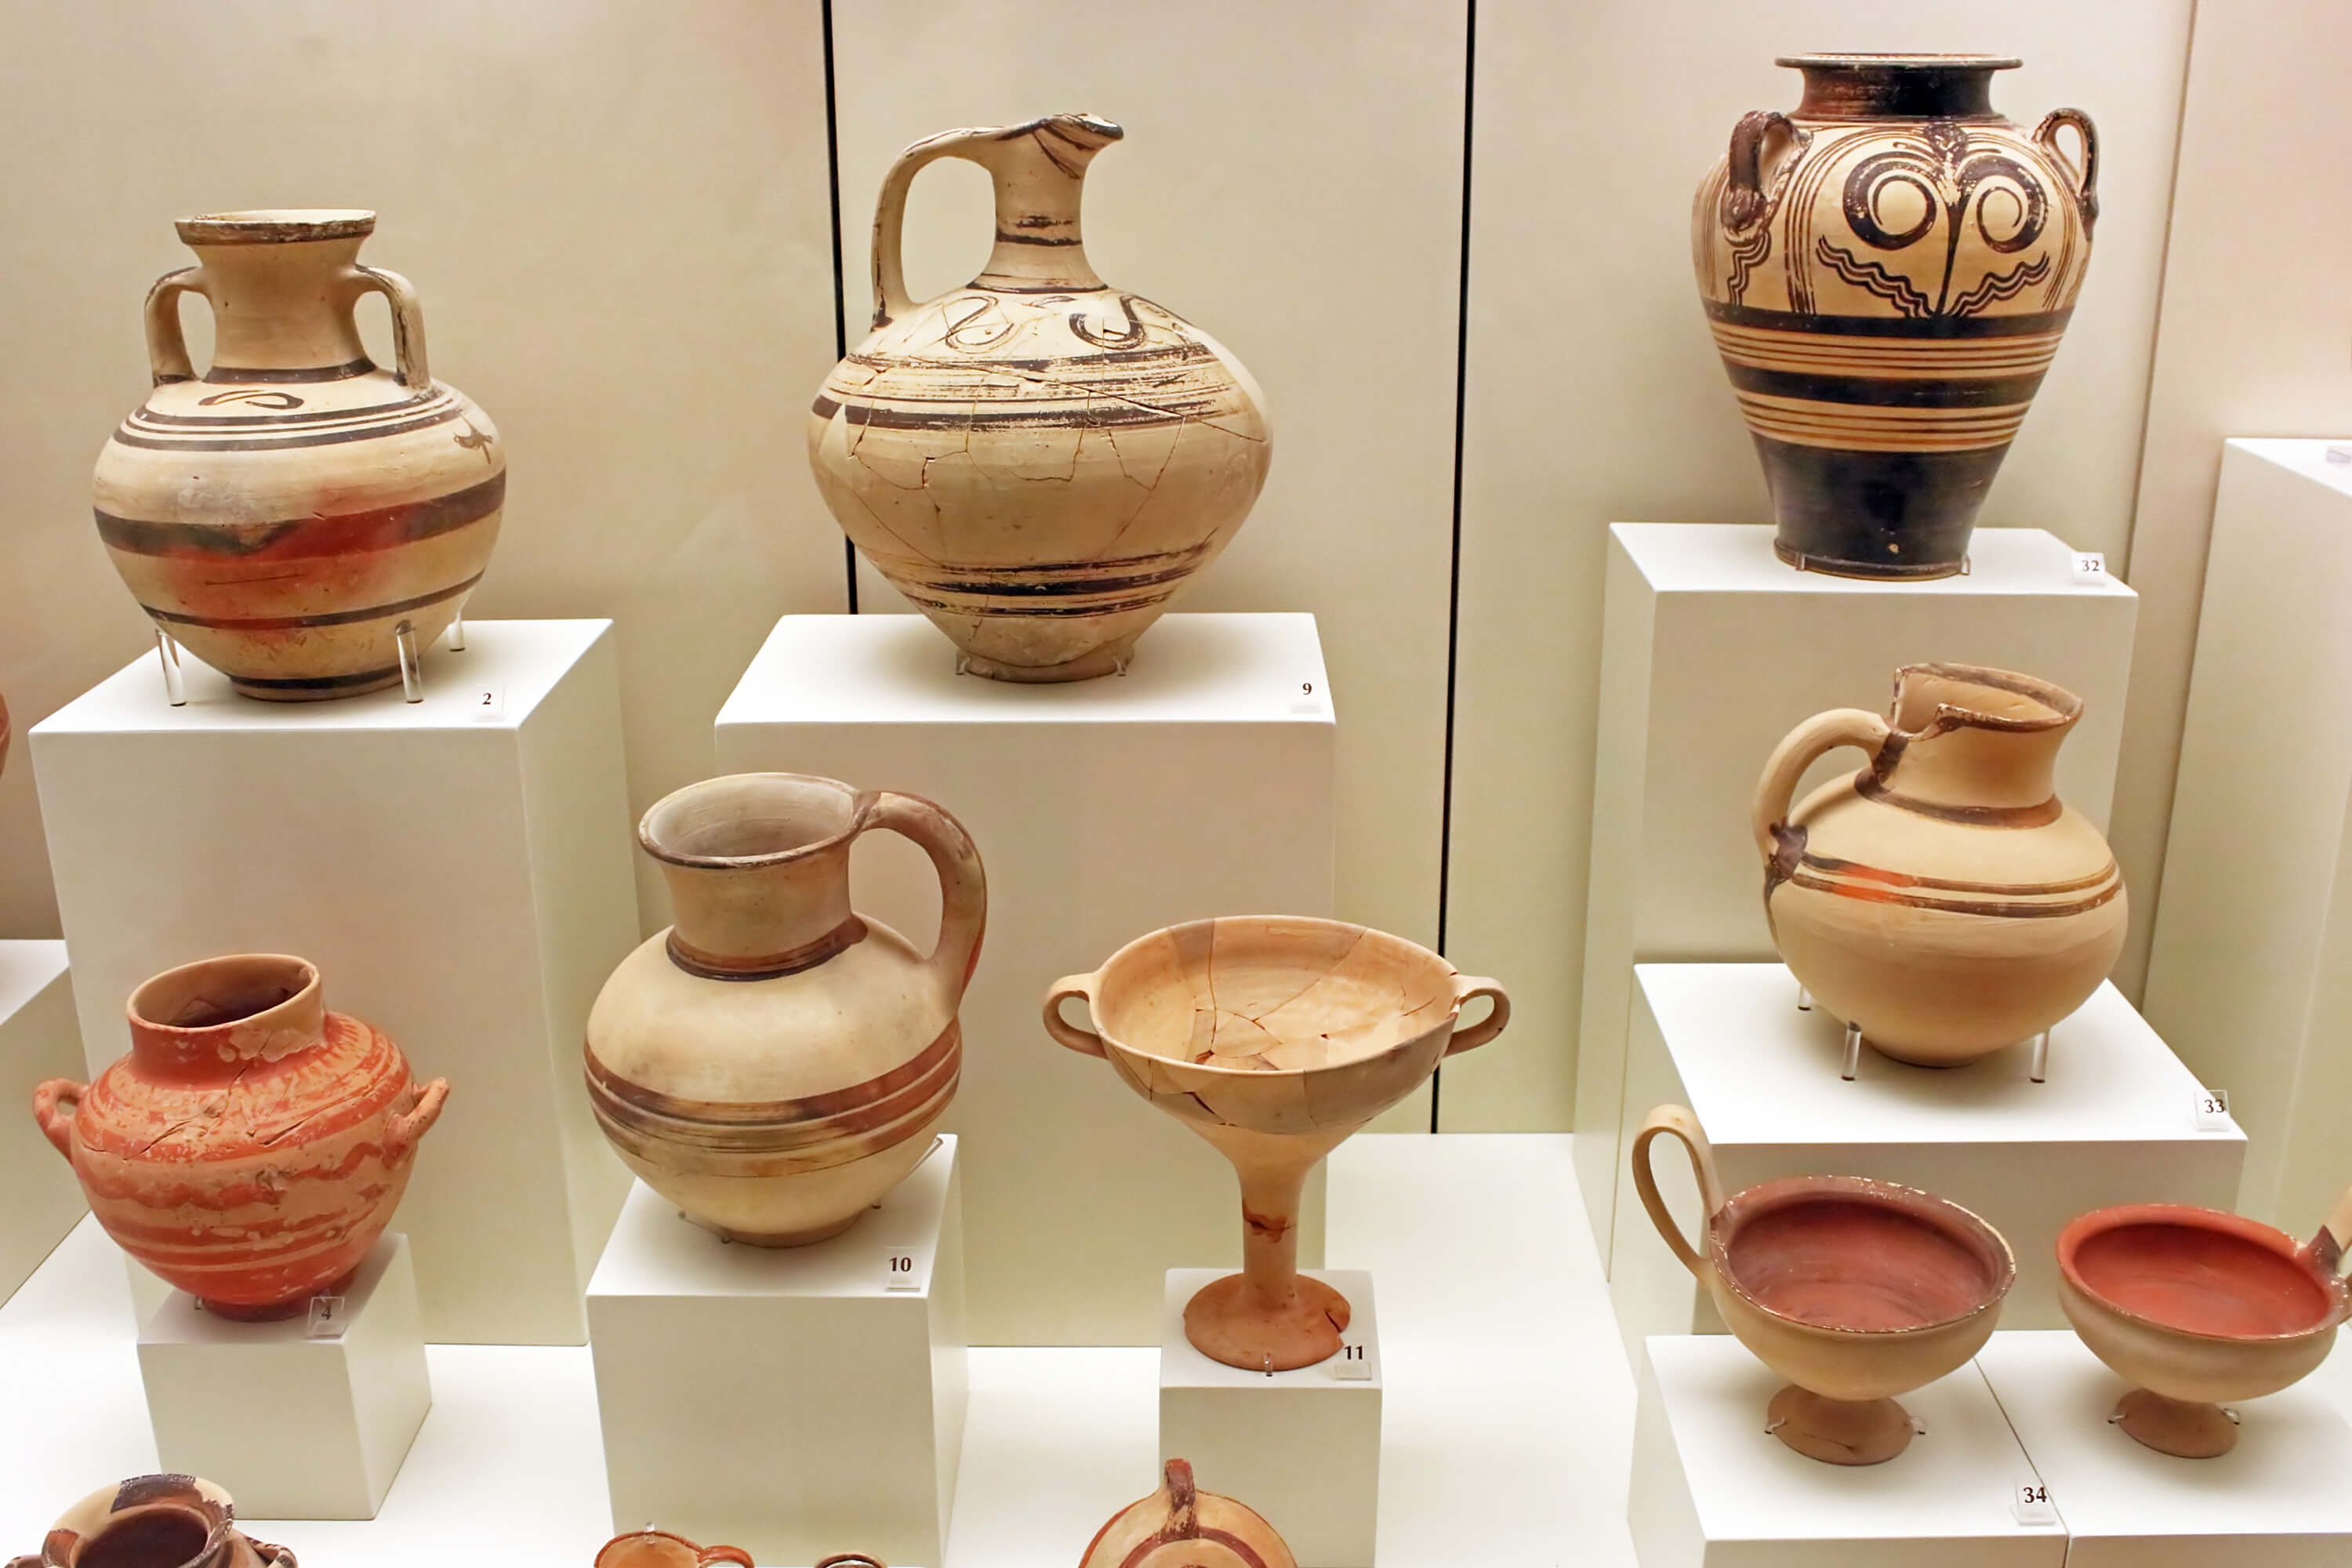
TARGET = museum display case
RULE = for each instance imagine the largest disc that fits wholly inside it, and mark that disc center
(724, 1185)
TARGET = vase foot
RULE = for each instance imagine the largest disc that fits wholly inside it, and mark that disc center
(1839, 1431)
(235, 1313)
(1112, 659)
(1226, 1323)
(776, 1238)
(2180, 1428)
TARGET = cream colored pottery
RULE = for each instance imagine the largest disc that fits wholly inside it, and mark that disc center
(1943, 900)
(651, 1548)
(1273, 1037)
(153, 1522)
(774, 1062)
(288, 513)
(1181, 1527)
(1039, 462)
(2198, 1308)
(1888, 272)
(1852, 1289)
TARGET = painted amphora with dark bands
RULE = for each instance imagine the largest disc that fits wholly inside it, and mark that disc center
(287, 512)
(1888, 272)
(775, 1062)
(1038, 460)
(1943, 898)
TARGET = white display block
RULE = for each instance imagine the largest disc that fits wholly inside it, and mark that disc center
(2281, 1499)
(1199, 784)
(297, 1421)
(2249, 975)
(39, 1039)
(458, 868)
(1712, 651)
(1712, 1489)
(784, 1399)
(2114, 1123)
(1302, 1447)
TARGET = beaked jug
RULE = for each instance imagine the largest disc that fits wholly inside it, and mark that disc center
(1037, 461)
(1943, 900)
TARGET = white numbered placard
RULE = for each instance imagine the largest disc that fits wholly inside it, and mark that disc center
(2210, 1111)
(487, 704)
(900, 1271)
(2029, 1503)
(2090, 568)
(327, 1315)
(1352, 1364)
(1307, 699)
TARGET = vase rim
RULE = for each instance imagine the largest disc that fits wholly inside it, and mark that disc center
(1899, 61)
(275, 226)
(2063, 706)
(296, 978)
(1956, 1224)
(661, 829)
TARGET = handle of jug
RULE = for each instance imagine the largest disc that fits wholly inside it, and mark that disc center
(964, 883)
(1797, 752)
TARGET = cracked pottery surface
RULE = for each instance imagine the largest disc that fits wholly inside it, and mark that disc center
(253, 1145)
(153, 1522)
(1943, 898)
(1274, 1038)
(1888, 272)
(1038, 460)
(2197, 1308)
(1180, 1526)
(775, 1062)
(1853, 1289)
(286, 514)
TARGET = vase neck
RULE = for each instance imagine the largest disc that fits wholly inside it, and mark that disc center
(1897, 86)
(1977, 738)
(282, 283)
(758, 867)
(209, 1021)
(1039, 171)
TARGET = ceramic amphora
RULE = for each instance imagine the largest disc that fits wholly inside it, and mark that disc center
(1888, 272)
(253, 1145)
(1037, 461)
(1854, 1290)
(1942, 899)
(2197, 1308)
(1274, 1038)
(1180, 1526)
(286, 515)
(774, 1062)
(153, 1522)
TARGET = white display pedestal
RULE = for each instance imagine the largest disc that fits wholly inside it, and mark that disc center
(2251, 972)
(784, 1400)
(1200, 783)
(2281, 1499)
(1713, 1489)
(459, 872)
(1712, 651)
(295, 1423)
(39, 1037)
(2114, 1123)
(1301, 1447)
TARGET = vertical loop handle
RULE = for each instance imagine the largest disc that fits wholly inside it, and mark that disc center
(167, 345)
(890, 301)
(964, 883)
(1798, 749)
(1744, 200)
(1678, 1120)
(2045, 136)
(407, 325)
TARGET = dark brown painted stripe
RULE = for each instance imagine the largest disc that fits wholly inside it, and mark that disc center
(1079, 414)
(170, 423)
(2006, 909)
(1061, 587)
(2039, 815)
(1175, 351)
(1035, 239)
(1960, 390)
(1834, 867)
(766, 966)
(229, 375)
(301, 538)
(778, 1126)
(986, 607)
(299, 623)
(316, 682)
(283, 442)
(1925, 327)
(1191, 553)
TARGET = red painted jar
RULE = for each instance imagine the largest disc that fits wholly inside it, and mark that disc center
(253, 1145)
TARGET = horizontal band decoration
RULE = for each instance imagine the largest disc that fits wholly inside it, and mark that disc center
(236, 375)
(1889, 357)
(2041, 814)
(1871, 884)
(338, 533)
(1861, 427)
(765, 966)
(327, 618)
(1100, 588)
(2025, 324)
(1870, 389)
(184, 433)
